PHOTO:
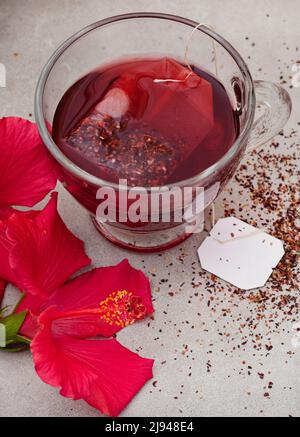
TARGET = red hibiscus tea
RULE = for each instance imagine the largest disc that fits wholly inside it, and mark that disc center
(150, 121)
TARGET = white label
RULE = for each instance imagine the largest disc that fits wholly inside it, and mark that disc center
(2, 335)
(240, 254)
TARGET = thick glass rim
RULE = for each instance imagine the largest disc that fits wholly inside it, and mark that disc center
(94, 180)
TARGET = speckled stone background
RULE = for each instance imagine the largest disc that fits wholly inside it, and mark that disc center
(218, 351)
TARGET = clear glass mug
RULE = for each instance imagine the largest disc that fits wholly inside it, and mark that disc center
(151, 34)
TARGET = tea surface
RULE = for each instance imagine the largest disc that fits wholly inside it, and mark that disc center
(150, 121)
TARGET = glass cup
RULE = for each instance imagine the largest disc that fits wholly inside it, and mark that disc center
(140, 34)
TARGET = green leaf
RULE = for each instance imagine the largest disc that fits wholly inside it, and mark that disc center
(19, 343)
(10, 339)
(15, 347)
(3, 310)
(12, 324)
(22, 339)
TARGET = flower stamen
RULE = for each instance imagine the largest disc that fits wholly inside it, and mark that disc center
(122, 308)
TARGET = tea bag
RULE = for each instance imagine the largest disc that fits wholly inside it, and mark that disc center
(149, 120)
(181, 106)
(167, 98)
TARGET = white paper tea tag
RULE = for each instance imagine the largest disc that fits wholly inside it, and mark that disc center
(240, 254)
(2, 335)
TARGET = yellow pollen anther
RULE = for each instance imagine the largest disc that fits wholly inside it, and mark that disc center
(122, 308)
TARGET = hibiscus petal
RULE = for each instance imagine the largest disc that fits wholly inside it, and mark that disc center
(5, 213)
(43, 253)
(5, 244)
(103, 373)
(88, 290)
(28, 172)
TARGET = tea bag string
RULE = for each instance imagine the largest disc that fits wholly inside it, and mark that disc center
(186, 56)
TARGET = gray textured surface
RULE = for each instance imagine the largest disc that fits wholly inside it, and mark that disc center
(187, 337)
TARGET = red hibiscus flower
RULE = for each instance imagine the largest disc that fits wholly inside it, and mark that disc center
(38, 254)
(87, 292)
(103, 373)
(100, 302)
